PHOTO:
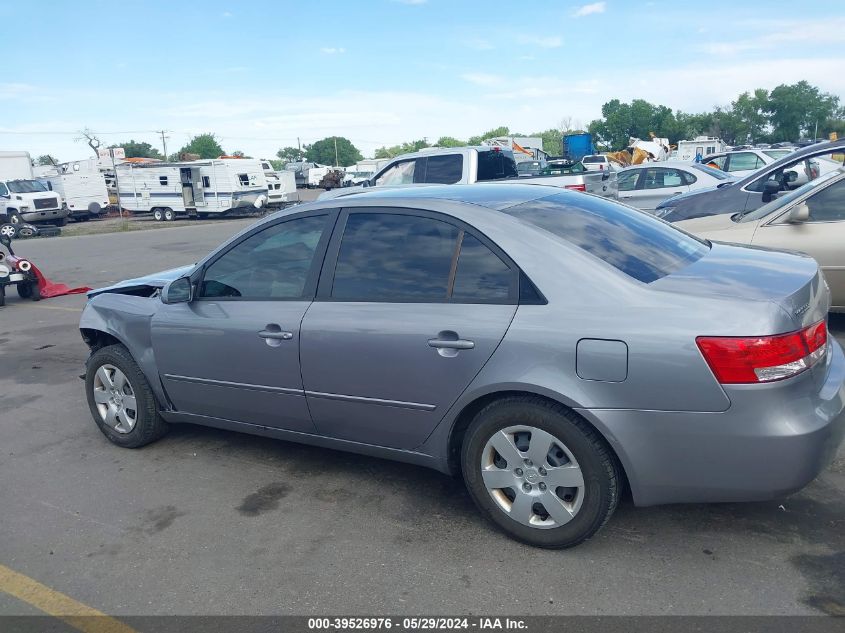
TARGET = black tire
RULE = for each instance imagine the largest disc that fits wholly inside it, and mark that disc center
(28, 290)
(599, 467)
(169, 214)
(149, 425)
(158, 215)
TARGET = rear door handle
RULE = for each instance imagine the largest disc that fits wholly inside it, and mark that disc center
(438, 343)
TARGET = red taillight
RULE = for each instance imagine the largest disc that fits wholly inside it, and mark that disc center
(753, 359)
(576, 187)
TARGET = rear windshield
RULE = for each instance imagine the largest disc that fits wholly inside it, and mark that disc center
(493, 165)
(718, 174)
(593, 159)
(634, 242)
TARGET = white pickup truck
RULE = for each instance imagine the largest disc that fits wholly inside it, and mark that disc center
(468, 165)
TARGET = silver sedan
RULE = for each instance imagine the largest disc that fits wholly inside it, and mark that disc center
(646, 186)
(551, 347)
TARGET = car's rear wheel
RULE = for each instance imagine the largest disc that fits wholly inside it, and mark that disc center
(121, 401)
(540, 472)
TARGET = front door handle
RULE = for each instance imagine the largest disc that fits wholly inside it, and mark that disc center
(447, 344)
(273, 335)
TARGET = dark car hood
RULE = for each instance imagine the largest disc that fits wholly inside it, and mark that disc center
(155, 280)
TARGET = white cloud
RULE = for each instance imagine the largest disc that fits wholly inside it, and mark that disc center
(589, 9)
(819, 32)
(482, 79)
(332, 50)
(545, 42)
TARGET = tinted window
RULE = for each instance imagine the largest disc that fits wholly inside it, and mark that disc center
(444, 170)
(628, 180)
(399, 174)
(828, 205)
(3, 190)
(272, 264)
(493, 165)
(594, 159)
(387, 257)
(636, 243)
(481, 275)
(745, 161)
(717, 162)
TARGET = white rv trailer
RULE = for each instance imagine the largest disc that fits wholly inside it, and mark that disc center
(196, 188)
(281, 185)
(703, 145)
(80, 183)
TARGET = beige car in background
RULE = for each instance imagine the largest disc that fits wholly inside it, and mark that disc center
(810, 219)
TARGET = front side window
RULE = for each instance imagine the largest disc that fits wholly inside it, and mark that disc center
(3, 190)
(445, 170)
(636, 243)
(271, 264)
(828, 205)
(627, 181)
(399, 174)
(745, 161)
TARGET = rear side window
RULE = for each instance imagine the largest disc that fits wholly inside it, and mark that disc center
(480, 275)
(745, 161)
(493, 165)
(633, 242)
(444, 170)
(594, 159)
(828, 205)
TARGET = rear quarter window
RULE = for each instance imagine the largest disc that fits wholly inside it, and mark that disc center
(493, 165)
(636, 243)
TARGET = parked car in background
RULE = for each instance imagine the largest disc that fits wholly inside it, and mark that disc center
(647, 185)
(598, 162)
(742, 163)
(810, 219)
(550, 347)
(483, 163)
(755, 189)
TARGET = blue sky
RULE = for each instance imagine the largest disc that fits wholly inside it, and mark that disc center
(380, 72)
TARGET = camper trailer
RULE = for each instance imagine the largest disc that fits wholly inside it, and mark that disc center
(80, 183)
(700, 146)
(281, 185)
(194, 188)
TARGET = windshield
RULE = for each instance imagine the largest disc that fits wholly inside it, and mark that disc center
(26, 186)
(786, 199)
(528, 165)
(718, 174)
(594, 159)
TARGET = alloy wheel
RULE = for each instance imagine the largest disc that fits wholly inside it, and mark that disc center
(115, 398)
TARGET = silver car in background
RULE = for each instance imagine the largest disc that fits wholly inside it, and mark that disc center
(549, 346)
(646, 186)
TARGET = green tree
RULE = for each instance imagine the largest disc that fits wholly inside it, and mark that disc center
(204, 145)
(46, 159)
(449, 141)
(796, 109)
(494, 133)
(405, 148)
(334, 150)
(238, 153)
(278, 165)
(552, 141)
(290, 155)
(135, 149)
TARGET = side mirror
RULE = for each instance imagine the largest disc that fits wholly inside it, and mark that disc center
(178, 291)
(770, 190)
(799, 213)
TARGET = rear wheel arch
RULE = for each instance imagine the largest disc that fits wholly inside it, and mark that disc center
(463, 420)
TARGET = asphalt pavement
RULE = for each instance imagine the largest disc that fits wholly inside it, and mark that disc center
(213, 522)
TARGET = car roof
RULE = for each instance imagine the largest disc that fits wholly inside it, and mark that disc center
(662, 163)
(495, 196)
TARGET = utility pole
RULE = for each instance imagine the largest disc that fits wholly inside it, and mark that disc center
(164, 141)
(336, 161)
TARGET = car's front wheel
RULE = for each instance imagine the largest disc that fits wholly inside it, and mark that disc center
(121, 401)
(540, 472)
